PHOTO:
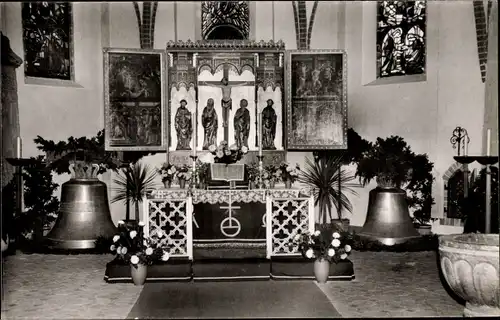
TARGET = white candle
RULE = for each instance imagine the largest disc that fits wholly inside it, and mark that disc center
(18, 149)
(488, 143)
(194, 134)
(466, 146)
(259, 124)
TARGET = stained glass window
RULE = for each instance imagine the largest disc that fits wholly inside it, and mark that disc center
(47, 37)
(225, 20)
(401, 38)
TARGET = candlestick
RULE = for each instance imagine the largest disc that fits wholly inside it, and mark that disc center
(488, 142)
(261, 169)
(194, 176)
(260, 133)
(18, 149)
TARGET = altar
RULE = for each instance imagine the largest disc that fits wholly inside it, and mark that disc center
(259, 218)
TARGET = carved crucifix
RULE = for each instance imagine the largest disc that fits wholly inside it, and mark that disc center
(226, 86)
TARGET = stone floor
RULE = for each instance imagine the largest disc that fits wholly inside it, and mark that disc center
(391, 284)
(70, 287)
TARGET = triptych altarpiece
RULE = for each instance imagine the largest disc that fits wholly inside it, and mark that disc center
(195, 94)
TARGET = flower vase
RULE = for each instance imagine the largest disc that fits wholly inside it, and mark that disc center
(167, 184)
(271, 184)
(139, 274)
(321, 270)
(251, 185)
(201, 185)
(182, 183)
(288, 184)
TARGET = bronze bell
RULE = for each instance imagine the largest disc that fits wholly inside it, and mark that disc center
(84, 213)
(388, 219)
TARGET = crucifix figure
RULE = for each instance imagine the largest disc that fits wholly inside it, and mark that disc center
(226, 87)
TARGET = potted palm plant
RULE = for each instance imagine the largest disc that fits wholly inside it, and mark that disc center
(326, 179)
(133, 183)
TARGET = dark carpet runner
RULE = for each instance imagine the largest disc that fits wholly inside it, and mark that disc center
(254, 299)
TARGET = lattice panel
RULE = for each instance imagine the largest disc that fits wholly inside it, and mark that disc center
(289, 216)
(170, 217)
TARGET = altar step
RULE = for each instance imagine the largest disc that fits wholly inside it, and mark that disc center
(277, 268)
(231, 269)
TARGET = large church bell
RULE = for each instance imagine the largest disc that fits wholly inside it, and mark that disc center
(388, 218)
(84, 213)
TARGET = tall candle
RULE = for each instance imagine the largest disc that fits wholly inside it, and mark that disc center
(18, 149)
(194, 134)
(488, 143)
(259, 124)
(466, 146)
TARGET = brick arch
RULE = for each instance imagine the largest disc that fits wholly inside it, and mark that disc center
(146, 24)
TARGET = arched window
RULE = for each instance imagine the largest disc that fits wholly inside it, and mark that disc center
(225, 20)
(401, 38)
(455, 192)
(48, 40)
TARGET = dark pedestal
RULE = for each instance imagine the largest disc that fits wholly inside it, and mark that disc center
(231, 269)
(175, 269)
(288, 268)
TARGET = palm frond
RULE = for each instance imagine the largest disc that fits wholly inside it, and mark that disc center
(328, 181)
(134, 182)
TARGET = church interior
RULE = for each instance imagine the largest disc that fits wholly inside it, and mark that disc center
(192, 146)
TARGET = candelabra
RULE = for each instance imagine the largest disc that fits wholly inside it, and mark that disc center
(486, 161)
(460, 141)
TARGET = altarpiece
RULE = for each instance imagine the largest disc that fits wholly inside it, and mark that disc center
(224, 85)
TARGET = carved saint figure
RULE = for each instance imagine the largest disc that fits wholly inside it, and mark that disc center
(268, 126)
(183, 126)
(210, 124)
(242, 124)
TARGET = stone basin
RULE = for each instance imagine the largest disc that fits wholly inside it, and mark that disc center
(469, 263)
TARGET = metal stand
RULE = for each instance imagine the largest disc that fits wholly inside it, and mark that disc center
(260, 183)
(485, 161)
(460, 141)
(19, 163)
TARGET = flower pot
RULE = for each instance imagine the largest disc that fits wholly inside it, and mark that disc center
(470, 265)
(139, 274)
(167, 184)
(288, 184)
(321, 270)
(182, 183)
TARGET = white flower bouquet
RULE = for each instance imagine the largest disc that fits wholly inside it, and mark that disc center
(324, 245)
(168, 172)
(184, 173)
(133, 247)
(289, 172)
(227, 154)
